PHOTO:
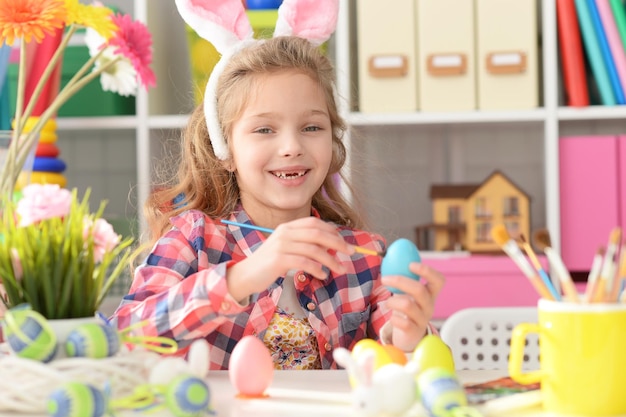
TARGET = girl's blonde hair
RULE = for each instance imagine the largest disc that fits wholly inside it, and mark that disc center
(203, 182)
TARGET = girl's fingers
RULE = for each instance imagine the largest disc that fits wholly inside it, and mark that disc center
(434, 279)
(328, 239)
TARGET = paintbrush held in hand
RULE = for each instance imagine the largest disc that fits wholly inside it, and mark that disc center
(541, 240)
(357, 249)
(501, 236)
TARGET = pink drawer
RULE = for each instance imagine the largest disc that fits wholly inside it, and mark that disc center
(481, 281)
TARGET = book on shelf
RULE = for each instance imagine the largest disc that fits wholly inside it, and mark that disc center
(571, 53)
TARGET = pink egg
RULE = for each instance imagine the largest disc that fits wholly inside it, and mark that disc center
(251, 367)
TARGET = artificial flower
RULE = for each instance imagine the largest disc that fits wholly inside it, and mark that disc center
(104, 238)
(28, 19)
(40, 202)
(131, 45)
(133, 41)
(121, 77)
(93, 16)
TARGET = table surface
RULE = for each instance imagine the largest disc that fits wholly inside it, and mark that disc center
(323, 393)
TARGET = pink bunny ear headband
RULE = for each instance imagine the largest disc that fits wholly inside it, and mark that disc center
(225, 24)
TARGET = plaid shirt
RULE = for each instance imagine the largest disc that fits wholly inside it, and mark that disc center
(181, 291)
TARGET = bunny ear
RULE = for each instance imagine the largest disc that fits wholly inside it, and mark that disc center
(222, 22)
(314, 20)
(366, 365)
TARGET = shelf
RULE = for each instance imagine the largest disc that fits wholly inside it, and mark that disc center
(591, 113)
(425, 118)
(173, 121)
(97, 122)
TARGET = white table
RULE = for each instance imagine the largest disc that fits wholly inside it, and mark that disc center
(297, 393)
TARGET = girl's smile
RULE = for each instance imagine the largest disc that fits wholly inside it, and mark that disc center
(282, 145)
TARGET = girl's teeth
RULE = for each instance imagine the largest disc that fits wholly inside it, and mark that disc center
(289, 175)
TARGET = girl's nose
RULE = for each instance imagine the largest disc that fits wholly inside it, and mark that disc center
(291, 144)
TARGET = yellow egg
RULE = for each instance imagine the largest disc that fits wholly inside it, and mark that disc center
(381, 357)
(432, 352)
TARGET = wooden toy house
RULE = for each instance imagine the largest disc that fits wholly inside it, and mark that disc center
(463, 215)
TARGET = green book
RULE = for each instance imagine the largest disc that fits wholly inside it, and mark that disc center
(619, 13)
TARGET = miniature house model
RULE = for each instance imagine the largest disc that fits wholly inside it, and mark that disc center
(463, 215)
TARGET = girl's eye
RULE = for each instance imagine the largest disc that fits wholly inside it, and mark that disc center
(312, 128)
(264, 130)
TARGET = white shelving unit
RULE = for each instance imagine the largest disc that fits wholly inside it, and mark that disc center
(393, 158)
(448, 139)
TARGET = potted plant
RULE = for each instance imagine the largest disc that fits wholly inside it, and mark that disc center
(56, 255)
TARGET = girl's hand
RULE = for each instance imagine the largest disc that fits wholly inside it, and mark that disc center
(304, 244)
(413, 310)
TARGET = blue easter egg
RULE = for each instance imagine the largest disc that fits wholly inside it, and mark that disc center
(93, 340)
(397, 259)
(29, 336)
(75, 399)
(187, 396)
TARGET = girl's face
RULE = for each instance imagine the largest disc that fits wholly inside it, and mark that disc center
(282, 147)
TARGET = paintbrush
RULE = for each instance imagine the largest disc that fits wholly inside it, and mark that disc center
(541, 239)
(542, 273)
(621, 274)
(358, 249)
(594, 273)
(607, 273)
(510, 247)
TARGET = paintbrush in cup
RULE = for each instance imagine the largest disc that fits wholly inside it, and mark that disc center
(357, 249)
(501, 236)
(607, 272)
(594, 273)
(541, 239)
(542, 273)
(621, 274)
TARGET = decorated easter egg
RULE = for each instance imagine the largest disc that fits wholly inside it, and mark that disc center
(440, 392)
(75, 399)
(432, 352)
(397, 259)
(28, 335)
(187, 396)
(251, 367)
(93, 340)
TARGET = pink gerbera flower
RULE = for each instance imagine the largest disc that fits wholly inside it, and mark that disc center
(133, 41)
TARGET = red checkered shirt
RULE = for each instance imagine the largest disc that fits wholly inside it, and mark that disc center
(181, 292)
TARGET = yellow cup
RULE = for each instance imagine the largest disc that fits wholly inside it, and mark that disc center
(582, 355)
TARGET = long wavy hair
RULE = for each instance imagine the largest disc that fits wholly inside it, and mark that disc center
(203, 182)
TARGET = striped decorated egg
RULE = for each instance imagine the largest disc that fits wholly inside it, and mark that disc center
(75, 399)
(28, 335)
(187, 396)
(93, 340)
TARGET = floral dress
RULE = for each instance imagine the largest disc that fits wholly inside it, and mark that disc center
(292, 342)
